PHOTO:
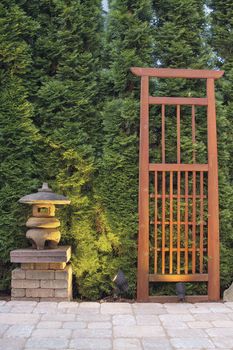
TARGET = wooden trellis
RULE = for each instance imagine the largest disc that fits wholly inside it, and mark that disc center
(183, 240)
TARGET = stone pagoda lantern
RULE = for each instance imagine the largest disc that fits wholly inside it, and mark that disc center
(45, 273)
(43, 226)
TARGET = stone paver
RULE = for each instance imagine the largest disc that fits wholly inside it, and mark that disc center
(126, 344)
(115, 326)
(91, 343)
(17, 330)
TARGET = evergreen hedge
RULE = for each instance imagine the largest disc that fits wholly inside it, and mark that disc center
(69, 115)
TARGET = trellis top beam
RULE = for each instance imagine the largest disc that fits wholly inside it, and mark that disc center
(177, 73)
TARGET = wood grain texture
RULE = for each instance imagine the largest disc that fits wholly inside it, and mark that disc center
(177, 73)
(143, 237)
(213, 211)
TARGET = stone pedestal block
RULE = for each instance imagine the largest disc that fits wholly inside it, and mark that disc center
(40, 284)
(50, 280)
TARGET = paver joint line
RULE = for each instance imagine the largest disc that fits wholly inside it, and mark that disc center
(115, 326)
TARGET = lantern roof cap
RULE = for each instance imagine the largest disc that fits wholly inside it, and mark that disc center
(44, 196)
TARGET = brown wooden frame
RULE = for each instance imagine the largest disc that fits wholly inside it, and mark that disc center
(143, 275)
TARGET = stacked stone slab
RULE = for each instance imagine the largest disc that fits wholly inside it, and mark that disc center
(40, 278)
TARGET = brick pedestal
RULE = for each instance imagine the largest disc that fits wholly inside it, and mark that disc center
(42, 281)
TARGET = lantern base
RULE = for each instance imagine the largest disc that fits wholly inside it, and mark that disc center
(42, 277)
(29, 255)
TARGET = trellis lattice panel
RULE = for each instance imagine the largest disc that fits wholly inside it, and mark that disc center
(178, 187)
(178, 223)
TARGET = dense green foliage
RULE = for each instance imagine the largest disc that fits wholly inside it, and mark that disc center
(221, 41)
(182, 41)
(128, 43)
(69, 115)
(19, 138)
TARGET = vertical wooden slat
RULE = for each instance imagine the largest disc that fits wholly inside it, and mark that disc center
(194, 225)
(178, 222)
(193, 134)
(163, 219)
(143, 238)
(155, 224)
(213, 210)
(171, 224)
(178, 188)
(186, 224)
(163, 134)
(178, 133)
(201, 220)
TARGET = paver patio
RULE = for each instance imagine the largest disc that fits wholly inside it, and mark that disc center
(115, 326)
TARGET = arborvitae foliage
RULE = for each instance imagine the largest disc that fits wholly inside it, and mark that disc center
(128, 43)
(221, 41)
(67, 99)
(181, 33)
(19, 140)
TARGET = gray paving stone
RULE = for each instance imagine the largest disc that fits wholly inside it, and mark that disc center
(150, 320)
(138, 331)
(89, 305)
(18, 330)
(89, 317)
(229, 304)
(208, 304)
(156, 344)
(178, 308)
(91, 344)
(126, 344)
(223, 342)
(116, 308)
(92, 333)
(47, 343)
(68, 305)
(186, 333)
(223, 324)
(220, 332)
(192, 343)
(182, 305)
(172, 325)
(46, 333)
(11, 318)
(49, 324)
(3, 328)
(177, 317)
(5, 308)
(2, 302)
(74, 325)
(61, 317)
(21, 303)
(99, 325)
(212, 316)
(47, 304)
(47, 307)
(200, 324)
(200, 310)
(120, 320)
(27, 309)
(220, 308)
(11, 344)
(230, 316)
(149, 309)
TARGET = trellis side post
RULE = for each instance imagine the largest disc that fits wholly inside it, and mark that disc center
(213, 210)
(143, 237)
